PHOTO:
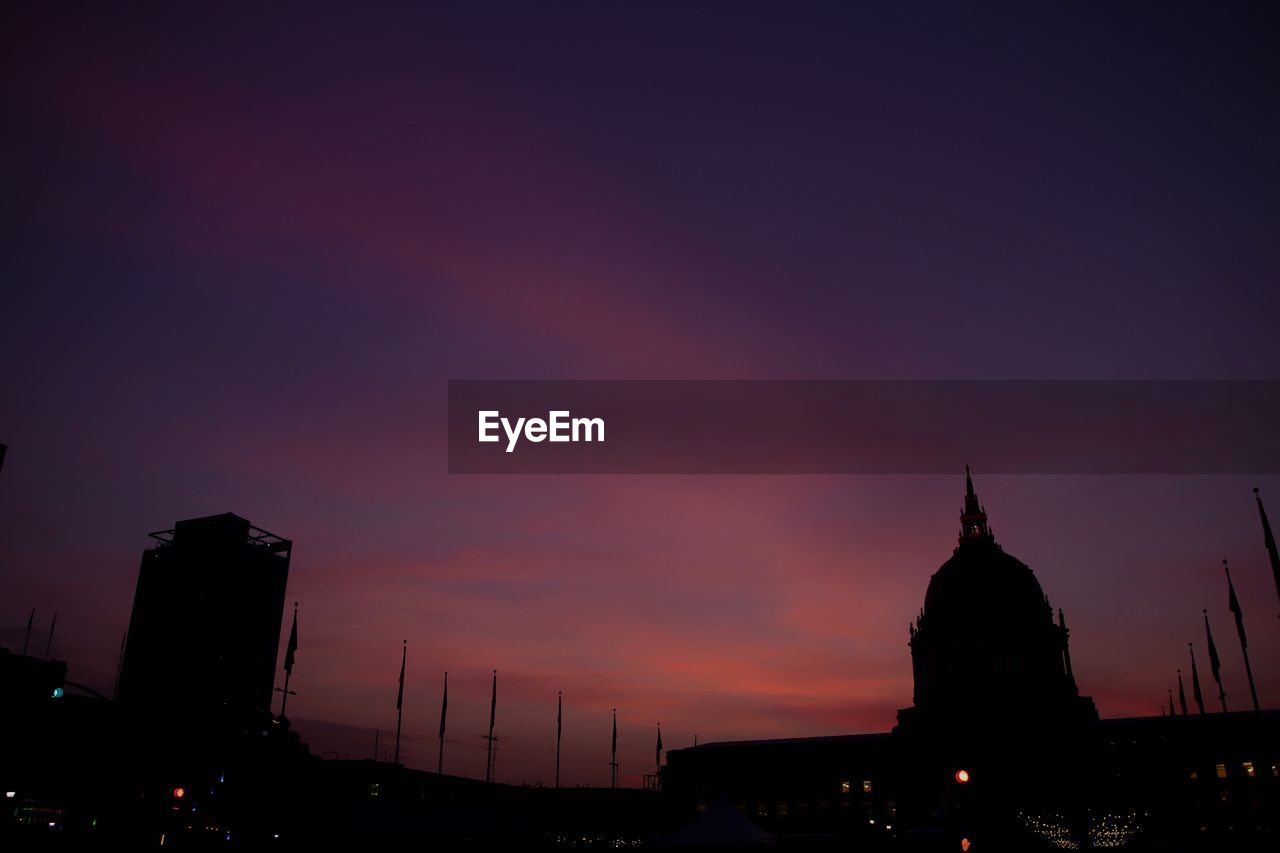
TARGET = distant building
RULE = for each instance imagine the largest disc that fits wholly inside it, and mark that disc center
(206, 621)
(999, 750)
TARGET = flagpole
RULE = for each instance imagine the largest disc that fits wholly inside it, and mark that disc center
(658, 752)
(444, 706)
(404, 653)
(559, 719)
(1214, 663)
(284, 694)
(1234, 604)
(49, 644)
(115, 691)
(493, 708)
(613, 761)
(1269, 540)
(1248, 671)
(1195, 680)
(27, 641)
(289, 651)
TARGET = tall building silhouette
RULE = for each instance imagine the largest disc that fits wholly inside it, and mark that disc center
(206, 620)
(986, 650)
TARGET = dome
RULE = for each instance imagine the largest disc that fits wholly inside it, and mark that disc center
(981, 588)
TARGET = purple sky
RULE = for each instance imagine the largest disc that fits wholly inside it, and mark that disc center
(243, 255)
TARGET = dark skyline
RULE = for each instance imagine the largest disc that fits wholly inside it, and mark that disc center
(246, 252)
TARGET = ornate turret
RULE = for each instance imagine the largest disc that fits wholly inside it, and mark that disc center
(973, 519)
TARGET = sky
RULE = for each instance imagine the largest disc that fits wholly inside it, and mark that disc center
(245, 250)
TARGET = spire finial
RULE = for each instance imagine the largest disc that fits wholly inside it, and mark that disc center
(973, 519)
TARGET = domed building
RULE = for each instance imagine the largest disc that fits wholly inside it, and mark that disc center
(999, 749)
(986, 650)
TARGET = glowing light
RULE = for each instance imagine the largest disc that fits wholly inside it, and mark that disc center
(965, 844)
(9, 795)
(179, 793)
(962, 776)
(57, 693)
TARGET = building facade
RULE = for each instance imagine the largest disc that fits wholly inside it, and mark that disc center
(205, 626)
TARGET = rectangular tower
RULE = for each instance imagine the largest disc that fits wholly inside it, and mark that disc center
(206, 620)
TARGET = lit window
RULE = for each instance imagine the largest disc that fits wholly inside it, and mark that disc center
(1221, 770)
(1248, 769)
(845, 787)
(866, 786)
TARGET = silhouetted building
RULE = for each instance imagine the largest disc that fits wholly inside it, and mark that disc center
(999, 749)
(986, 652)
(206, 620)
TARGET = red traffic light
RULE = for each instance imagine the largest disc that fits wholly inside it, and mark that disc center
(962, 776)
(179, 793)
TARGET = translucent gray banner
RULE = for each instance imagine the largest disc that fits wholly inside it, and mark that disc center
(863, 427)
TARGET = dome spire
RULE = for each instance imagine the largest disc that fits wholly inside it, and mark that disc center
(973, 519)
